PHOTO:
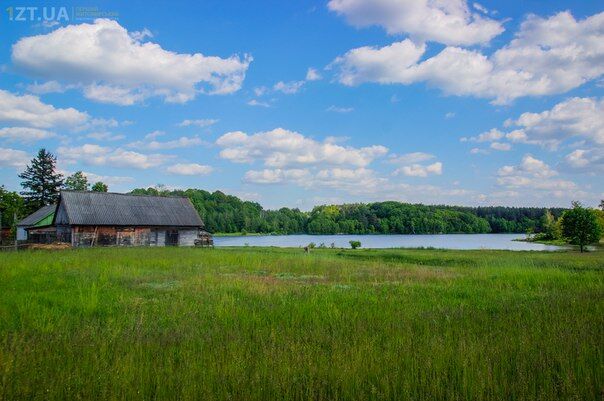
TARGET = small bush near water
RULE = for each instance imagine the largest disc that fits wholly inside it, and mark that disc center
(263, 324)
(355, 244)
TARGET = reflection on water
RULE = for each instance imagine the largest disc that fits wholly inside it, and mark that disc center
(445, 241)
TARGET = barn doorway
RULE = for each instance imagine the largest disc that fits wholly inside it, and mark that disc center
(171, 237)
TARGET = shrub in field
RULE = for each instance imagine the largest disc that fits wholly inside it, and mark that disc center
(355, 244)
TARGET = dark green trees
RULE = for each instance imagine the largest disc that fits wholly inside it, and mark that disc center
(41, 181)
(580, 226)
(224, 213)
(77, 182)
(100, 187)
(11, 204)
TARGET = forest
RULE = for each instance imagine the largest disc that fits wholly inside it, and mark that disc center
(228, 214)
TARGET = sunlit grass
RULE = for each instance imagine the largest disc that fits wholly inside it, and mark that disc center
(264, 324)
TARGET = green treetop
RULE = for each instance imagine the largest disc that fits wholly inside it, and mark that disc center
(580, 226)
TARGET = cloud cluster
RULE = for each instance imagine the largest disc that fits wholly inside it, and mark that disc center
(449, 22)
(13, 158)
(536, 175)
(339, 109)
(418, 170)
(585, 160)
(355, 181)
(578, 119)
(182, 142)
(201, 123)
(280, 148)
(410, 164)
(24, 134)
(189, 169)
(547, 56)
(292, 158)
(313, 75)
(288, 88)
(97, 155)
(30, 111)
(581, 118)
(113, 66)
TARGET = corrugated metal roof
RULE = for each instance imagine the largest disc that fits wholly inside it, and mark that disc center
(106, 208)
(37, 215)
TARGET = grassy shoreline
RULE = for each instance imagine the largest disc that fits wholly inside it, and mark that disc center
(267, 323)
(557, 242)
(562, 243)
(240, 234)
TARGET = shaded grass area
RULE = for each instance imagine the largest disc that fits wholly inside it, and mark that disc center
(258, 324)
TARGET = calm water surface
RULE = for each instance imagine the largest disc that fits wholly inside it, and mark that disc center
(445, 241)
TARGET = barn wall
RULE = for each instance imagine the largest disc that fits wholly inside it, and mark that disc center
(63, 233)
(85, 236)
(187, 237)
(160, 238)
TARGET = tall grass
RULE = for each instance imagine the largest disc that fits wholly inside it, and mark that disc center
(264, 324)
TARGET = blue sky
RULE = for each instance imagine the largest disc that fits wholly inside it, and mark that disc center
(303, 103)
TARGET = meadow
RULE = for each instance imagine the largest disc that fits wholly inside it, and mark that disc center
(260, 324)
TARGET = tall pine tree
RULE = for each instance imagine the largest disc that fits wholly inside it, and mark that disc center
(41, 181)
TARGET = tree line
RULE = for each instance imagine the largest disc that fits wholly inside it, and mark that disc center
(223, 213)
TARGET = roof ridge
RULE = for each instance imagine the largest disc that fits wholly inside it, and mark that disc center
(123, 194)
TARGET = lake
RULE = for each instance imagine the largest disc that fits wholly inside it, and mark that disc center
(445, 241)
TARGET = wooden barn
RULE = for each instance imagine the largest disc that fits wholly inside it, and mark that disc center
(85, 219)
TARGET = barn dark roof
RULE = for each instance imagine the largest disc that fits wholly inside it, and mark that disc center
(37, 215)
(106, 208)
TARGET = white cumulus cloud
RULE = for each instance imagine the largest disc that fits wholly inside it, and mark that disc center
(547, 56)
(534, 175)
(409, 158)
(289, 88)
(576, 117)
(25, 134)
(13, 158)
(313, 75)
(450, 21)
(418, 170)
(30, 111)
(279, 148)
(97, 155)
(189, 169)
(182, 142)
(204, 122)
(339, 109)
(502, 146)
(585, 160)
(114, 66)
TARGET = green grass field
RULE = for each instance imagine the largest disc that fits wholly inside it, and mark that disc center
(260, 324)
